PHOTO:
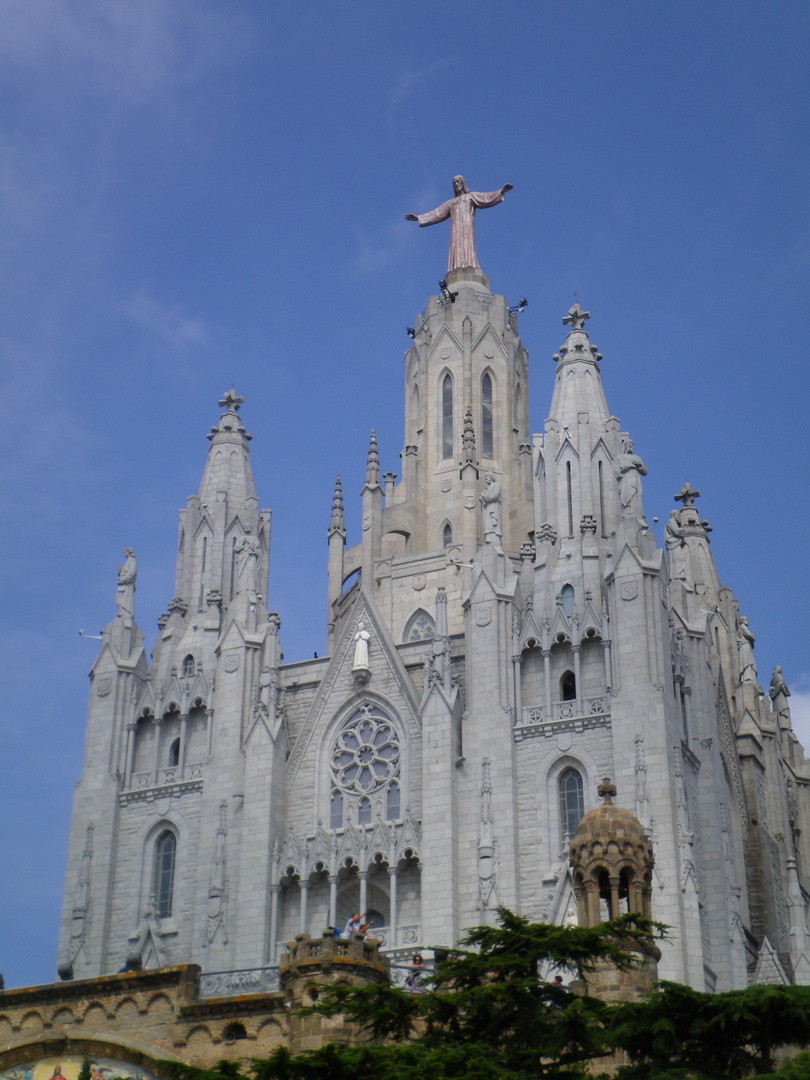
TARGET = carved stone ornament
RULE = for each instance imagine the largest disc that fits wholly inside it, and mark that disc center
(629, 590)
(103, 685)
(231, 662)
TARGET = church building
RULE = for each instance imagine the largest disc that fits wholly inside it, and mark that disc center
(505, 635)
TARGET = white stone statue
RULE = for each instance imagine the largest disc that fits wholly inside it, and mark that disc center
(247, 553)
(779, 694)
(745, 646)
(628, 471)
(125, 593)
(361, 640)
(675, 543)
(490, 499)
(461, 211)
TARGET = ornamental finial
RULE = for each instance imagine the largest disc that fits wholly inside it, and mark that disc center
(230, 401)
(687, 495)
(576, 317)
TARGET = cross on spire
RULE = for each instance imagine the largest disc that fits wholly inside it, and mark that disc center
(231, 401)
(606, 791)
(686, 495)
(576, 317)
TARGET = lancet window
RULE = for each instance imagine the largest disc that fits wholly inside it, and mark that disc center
(163, 880)
(486, 417)
(447, 417)
(188, 666)
(365, 764)
(572, 802)
(567, 597)
(447, 535)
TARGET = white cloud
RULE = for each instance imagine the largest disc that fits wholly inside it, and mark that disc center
(166, 322)
(799, 702)
(132, 51)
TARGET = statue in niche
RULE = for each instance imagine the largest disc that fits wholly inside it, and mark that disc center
(675, 543)
(247, 553)
(628, 471)
(779, 694)
(461, 211)
(361, 640)
(490, 499)
(745, 647)
(125, 593)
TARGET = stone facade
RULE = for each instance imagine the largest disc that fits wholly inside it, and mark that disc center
(132, 1021)
(505, 633)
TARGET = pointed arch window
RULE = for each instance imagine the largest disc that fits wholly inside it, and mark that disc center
(568, 686)
(447, 535)
(572, 801)
(336, 810)
(392, 802)
(486, 417)
(163, 881)
(420, 627)
(174, 754)
(188, 666)
(447, 417)
(567, 597)
(364, 811)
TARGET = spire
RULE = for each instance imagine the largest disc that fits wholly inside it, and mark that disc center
(373, 465)
(336, 523)
(468, 438)
(578, 388)
(228, 466)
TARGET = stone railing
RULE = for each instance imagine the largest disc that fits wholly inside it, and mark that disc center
(171, 775)
(232, 983)
(584, 712)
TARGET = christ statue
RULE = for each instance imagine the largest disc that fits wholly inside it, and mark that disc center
(461, 211)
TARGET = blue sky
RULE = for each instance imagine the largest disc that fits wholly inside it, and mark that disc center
(197, 193)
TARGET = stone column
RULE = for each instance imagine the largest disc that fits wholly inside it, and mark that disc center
(333, 881)
(516, 661)
(130, 756)
(181, 761)
(614, 898)
(156, 758)
(687, 711)
(547, 681)
(209, 730)
(392, 906)
(578, 699)
(608, 665)
(304, 887)
(363, 875)
(274, 895)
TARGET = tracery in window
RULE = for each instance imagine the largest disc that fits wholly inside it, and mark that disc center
(188, 666)
(365, 763)
(572, 802)
(447, 417)
(420, 627)
(163, 880)
(486, 416)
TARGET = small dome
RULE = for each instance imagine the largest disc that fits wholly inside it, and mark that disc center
(609, 822)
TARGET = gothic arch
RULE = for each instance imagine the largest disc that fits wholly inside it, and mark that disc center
(145, 846)
(581, 762)
(382, 710)
(420, 620)
(488, 390)
(446, 415)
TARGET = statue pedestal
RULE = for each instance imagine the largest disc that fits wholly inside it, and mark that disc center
(472, 274)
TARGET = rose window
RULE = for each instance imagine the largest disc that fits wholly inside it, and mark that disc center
(366, 753)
